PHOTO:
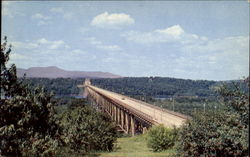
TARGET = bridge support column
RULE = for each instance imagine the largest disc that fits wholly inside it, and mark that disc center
(132, 123)
(118, 115)
(115, 114)
(112, 112)
(109, 106)
(144, 130)
(122, 119)
(126, 123)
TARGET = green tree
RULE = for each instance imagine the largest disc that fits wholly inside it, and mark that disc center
(85, 129)
(27, 125)
(221, 133)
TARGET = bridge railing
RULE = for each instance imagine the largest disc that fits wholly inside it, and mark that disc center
(138, 113)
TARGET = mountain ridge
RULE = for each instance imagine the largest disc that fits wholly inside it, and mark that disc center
(55, 72)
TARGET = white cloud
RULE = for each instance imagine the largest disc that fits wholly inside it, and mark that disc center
(174, 31)
(68, 16)
(56, 44)
(57, 10)
(40, 23)
(40, 43)
(198, 56)
(106, 20)
(78, 51)
(61, 11)
(225, 58)
(109, 47)
(83, 29)
(40, 16)
(8, 11)
(53, 44)
(171, 34)
(43, 20)
(22, 45)
(16, 56)
(98, 44)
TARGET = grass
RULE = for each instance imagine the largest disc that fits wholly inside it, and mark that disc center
(133, 147)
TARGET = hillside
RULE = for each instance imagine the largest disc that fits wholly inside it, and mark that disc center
(55, 72)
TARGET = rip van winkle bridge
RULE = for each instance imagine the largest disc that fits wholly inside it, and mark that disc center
(131, 115)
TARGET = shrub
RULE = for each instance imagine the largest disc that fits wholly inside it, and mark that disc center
(161, 138)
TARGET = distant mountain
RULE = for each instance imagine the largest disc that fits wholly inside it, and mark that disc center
(55, 72)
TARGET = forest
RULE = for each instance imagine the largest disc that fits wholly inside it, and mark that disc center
(156, 87)
(180, 95)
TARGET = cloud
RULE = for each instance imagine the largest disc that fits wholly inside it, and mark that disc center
(57, 10)
(16, 56)
(78, 51)
(43, 20)
(226, 58)
(168, 35)
(56, 44)
(40, 23)
(6, 10)
(68, 16)
(23, 45)
(83, 29)
(106, 20)
(61, 11)
(9, 11)
(196, 56)
(40, 43)
(98, 44)
(40, 16)
(52, 44)
(174, 31)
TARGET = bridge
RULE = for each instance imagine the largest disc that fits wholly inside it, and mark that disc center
(131, 115)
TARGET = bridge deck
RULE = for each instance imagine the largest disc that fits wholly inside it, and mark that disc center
(160, 116)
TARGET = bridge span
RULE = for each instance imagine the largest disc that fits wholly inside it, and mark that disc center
(131, 115)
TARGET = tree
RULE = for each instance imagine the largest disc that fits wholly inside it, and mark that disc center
(221, 133)
(27, 125)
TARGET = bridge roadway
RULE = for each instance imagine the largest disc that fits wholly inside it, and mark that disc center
(159, 115)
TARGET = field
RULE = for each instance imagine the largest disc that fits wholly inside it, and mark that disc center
(133, 147)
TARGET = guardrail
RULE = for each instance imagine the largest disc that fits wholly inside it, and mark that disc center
(150, 105)
(135, 112)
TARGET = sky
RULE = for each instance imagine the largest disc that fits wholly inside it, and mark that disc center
(201, 40)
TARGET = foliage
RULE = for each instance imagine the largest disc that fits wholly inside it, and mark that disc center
(161, 138)
(60, 86)
(156, 86)
(222, 133)
(142, 86)
(189, 107)
(27, 126)
(86, 129)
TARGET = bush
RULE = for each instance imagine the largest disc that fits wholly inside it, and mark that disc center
(86, 129)
(161, 138)
(221, 133)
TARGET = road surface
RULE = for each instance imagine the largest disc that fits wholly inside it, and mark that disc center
(159, 115)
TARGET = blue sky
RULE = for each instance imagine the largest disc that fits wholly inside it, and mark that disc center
(192, 40)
